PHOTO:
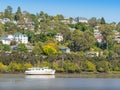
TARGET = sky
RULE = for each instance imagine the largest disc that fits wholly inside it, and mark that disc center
(109, 9)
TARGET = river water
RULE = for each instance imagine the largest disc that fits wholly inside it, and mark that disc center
(48, 82)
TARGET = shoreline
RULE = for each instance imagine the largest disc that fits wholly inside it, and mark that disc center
(70, 75)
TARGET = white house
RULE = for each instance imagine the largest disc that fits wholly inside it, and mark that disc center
(117, 39)
(21, 38)
(5, 20)
(6, 41)
(64, 49)
(59, 37)
(81, 19)
(92, 54)
(9, 36)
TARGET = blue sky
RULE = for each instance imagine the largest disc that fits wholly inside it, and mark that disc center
(109, 9)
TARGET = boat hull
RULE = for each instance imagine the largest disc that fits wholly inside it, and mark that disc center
(40, 72)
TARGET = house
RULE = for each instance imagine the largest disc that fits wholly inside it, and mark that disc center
(6, 41)
(117, 39)
(117, 36)
(21, 38)
(26, 25)
(65, 21)
(59, 37)
(64, 49)
(29, 48)
(81, 19)
(98, 35)
(92, 54)
(116, 32)
(4, 20)
(72, 29)
(68, 21)
(9, 36)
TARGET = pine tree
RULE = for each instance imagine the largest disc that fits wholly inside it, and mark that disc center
(102, 21)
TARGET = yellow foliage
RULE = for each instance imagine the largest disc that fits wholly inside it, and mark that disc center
(49, 50)
(27, 65)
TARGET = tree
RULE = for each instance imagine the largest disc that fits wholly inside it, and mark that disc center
(90, 66)
(92, 22)
(37, 50)
(49, 50)
(64, 30)
(81, 26)
(2, 30)
(22, 48)
(10, 28)
(1, 46)
(107, 34)
(6, 47)
(8, 12)
(18, 15)
(102, 21)
(116, 49)
(82, 41)
(58, 17)
(3, 68)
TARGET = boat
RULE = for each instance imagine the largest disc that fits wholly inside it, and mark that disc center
(40, 71)
(39, 76)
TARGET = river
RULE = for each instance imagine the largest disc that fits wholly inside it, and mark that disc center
(58, 82)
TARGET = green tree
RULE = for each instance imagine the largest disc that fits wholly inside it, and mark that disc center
(82, 41)
(2, 30)
(6, 47)
(37, 50)
(103, 66)
(58, 17)
(81, 26)
(92, 22)
(18, 15)
(10, 28)
(102, 21)
(116, 49)
(107, 35)
(8, 12)
(1, 46)
(22, 48)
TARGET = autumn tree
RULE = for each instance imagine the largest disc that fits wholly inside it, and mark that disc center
(50, 48)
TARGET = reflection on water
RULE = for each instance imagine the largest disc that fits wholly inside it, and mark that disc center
(41, 82)
(39, 76)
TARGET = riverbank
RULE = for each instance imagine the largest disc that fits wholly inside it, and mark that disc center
(69, 75)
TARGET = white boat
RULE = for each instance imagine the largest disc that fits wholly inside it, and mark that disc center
(39, 76)
(40, 71)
